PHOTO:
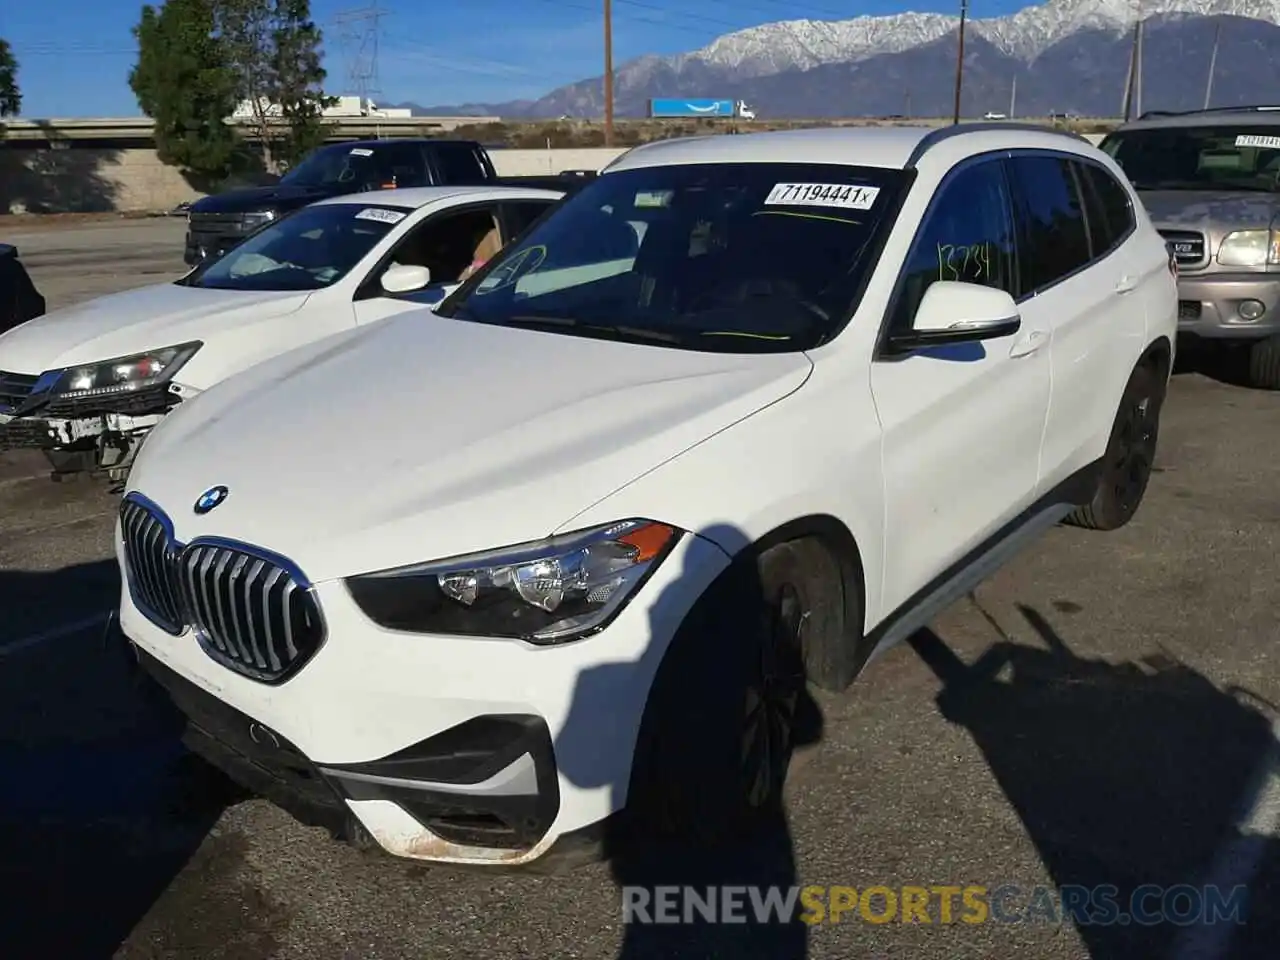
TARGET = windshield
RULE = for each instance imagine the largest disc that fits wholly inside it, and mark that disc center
(1245, 158)
(333, 166)
(748, 257)
(311, 249)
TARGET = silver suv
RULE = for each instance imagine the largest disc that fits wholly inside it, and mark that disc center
(1210, 180)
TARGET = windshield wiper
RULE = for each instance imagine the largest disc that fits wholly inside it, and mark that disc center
(553, 322)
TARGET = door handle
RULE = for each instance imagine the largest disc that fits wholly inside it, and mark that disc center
(1028, 344)
(1126, 284)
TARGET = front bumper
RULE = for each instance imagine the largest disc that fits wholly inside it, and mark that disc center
(447, 749)
(62, 433)
(1209, 305)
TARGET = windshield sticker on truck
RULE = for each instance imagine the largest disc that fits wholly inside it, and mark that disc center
(361, 152)
(843, 195)
(380, 215)
(1266, 143)
(650, 199)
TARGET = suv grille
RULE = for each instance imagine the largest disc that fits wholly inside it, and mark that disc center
(248, 610)
(14, 388)
(1187, 246)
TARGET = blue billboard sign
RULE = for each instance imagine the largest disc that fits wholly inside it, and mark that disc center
(672, 107)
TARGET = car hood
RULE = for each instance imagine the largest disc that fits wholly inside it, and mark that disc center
(1209, 211)
(251, 199)
(425, 437)
(146, 318)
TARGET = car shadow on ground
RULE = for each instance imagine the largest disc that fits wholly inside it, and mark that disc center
(1124, 775)
(695, 678)
(101, 805)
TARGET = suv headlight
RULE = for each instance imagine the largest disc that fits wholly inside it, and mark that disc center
(121, 375)
(1250, 248)
(547, 592)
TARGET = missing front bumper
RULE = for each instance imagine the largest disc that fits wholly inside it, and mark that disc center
(487, 784)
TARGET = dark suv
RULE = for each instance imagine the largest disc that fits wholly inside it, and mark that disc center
(218, 222)
(1210, 180)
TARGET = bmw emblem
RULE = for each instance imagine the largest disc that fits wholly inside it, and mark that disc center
(211, 498)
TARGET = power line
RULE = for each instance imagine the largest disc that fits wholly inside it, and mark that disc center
(358, 31)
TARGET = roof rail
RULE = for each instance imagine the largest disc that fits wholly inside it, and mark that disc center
(1243, 108)
(938, 134)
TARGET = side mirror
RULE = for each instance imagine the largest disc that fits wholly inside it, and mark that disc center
(405, 279)
(953, 312)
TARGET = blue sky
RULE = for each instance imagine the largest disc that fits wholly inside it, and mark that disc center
(75, 55)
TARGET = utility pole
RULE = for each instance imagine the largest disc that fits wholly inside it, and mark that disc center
(1130, 84)
(1213, 64)
(1013, 96)
(964, 12)
(608, 73)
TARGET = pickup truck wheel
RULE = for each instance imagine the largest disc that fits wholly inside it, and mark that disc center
(1129, 457)
(729, 704)
(1264, 363)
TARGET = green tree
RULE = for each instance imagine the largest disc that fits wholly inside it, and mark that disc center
(273, 48)
(296, 79)
(183, 81)
(10, 95)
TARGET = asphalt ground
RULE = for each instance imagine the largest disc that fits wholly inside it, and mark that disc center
(1099, 713)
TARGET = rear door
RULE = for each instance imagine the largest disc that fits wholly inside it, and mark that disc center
(1079, 283)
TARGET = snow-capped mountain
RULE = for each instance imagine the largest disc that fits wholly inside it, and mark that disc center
(804, 44)
(861, 66)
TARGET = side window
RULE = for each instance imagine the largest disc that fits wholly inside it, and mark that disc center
(1110, 215)
(1053, 240)
(448, 243)
(458, 164)
(520, 215)
(967, 236)
(405, 165)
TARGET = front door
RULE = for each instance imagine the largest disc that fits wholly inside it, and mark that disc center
(961, 426)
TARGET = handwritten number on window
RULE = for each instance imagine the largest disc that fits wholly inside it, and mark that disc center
(970, 263)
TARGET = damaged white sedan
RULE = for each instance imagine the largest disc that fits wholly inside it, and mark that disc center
(86, 384)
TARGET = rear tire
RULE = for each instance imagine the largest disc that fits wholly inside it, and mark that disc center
(729, 704)
(1129, 457)
(1264, 363)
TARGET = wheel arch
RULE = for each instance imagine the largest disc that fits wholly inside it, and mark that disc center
(835, 664)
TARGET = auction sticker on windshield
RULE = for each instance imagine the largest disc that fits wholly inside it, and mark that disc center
(1267, 143)
(843, 195)
(382, 216)
(361, 152)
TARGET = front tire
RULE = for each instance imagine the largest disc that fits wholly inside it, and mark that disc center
(729, 705)
(1264, 363)
(1129, 457)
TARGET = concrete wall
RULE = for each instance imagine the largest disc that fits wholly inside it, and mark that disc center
(90, 179)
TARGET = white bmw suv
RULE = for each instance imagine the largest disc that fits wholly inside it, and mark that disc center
(472, 584)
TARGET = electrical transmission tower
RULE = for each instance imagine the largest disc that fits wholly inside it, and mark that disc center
(358, 32)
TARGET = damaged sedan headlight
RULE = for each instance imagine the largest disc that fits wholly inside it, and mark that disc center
(119, 375)
(548, 592)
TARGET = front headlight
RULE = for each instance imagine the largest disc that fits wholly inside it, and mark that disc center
(252, 221)
(548, 592)
(121, 375)
(1250, 248)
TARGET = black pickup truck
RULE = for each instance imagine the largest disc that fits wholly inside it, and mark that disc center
(218, 222)
(20, 301)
